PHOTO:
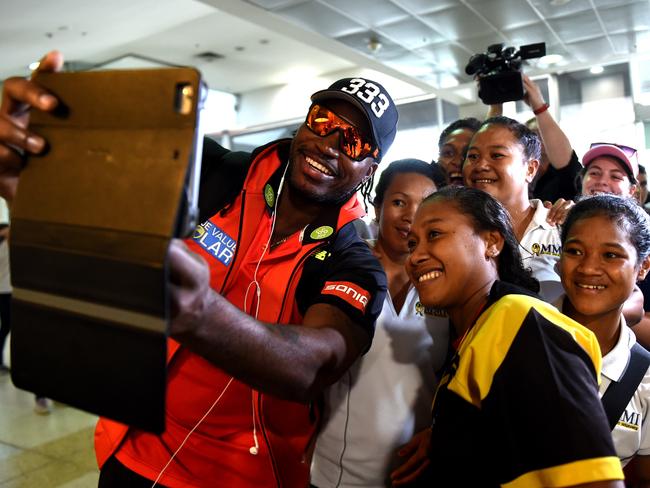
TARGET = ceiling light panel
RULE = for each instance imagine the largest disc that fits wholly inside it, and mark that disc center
(412, 33)
(550, 11)
(626, 17)
(592, 49)
(615, 3)
(456, 22)
(425, 6)
(273, 4)
(369, 12)
(577, 27)
(505, 14)
(537, 32)
(417, 69)
(322, 19)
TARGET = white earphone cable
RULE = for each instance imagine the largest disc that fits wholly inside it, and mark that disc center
(258, 291)
(191, 432)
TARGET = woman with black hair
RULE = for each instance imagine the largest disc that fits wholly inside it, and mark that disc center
(452, 146)
(502, 159)
(518, 402)
(599, 270)
(386, 395)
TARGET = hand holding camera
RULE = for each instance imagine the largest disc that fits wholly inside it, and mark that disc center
(533, 96)
(499, 71)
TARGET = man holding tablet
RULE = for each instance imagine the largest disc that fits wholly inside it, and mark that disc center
(272, 299)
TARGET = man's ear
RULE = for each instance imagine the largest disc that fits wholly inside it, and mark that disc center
(531, 170)
(494, 243)
(371, 170)
(643, 269)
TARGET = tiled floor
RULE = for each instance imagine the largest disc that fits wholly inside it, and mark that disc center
(54, 450)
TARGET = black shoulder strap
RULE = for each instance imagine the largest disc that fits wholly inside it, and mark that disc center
(618, 394)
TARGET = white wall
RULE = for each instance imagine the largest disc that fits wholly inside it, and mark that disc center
(220, 111)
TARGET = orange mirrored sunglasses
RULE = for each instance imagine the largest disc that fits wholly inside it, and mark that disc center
(322, 122)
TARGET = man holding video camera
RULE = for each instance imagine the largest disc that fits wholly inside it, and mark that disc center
(242, 389)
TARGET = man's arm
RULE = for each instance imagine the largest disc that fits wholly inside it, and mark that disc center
(289, 361)
(556, 143)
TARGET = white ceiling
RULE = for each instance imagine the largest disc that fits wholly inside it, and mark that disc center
(271, 42)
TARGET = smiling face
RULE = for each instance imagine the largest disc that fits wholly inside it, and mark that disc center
(452, 152)
(448, 262)
(598, 268)
(496, 163)
(319, 171)
(395, 214)
(606, 175)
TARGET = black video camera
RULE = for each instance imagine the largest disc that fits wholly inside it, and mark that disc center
(499, 71)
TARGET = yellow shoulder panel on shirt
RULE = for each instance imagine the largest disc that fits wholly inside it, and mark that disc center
(488, 342)
(575, 473)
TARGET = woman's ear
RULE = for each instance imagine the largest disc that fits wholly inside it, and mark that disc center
(377, 211)
(643, 269)
(531, 170)
(494, 243)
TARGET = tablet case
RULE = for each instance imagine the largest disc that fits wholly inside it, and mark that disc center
(91, 225)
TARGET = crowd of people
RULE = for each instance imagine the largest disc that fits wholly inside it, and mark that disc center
(486, 329)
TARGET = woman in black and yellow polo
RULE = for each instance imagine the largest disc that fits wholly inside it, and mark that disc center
(518, 404)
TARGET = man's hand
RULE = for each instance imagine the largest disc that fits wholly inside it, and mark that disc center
(532, 94)
(18, 96)
(191, 295)
(558, 211)
(416, 459)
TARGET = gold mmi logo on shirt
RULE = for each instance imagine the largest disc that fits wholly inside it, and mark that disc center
(630, 421)
(349, 292)
(546, 249)
(420, 310)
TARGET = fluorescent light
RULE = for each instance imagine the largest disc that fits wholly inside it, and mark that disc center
(596, 70)
(550, 59)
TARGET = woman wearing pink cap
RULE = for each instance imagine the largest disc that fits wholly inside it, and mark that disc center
(614, 168)
(610, 168)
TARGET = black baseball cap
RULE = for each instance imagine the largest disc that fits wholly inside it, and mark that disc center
(373, 100)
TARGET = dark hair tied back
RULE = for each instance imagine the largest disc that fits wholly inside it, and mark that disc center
(488, 214)
(529, 140)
